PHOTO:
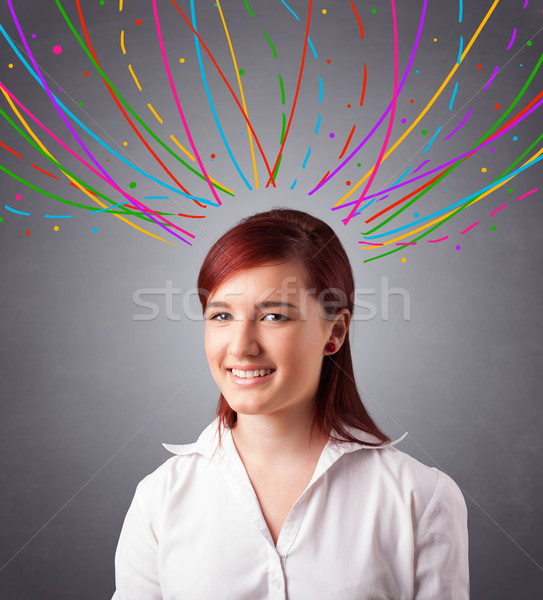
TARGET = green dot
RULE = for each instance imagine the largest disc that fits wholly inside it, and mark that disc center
(358, 164)
(493, 228)
(510, 190)
(1, 219)
(102, 2)
(424, 132)
(241, 72)
(373, 10)
(81, 103)
(132, 184)
(529, 43)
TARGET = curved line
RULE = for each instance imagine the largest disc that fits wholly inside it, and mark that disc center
(239, 85)
(453, 96)
(132, 73)
(460, 47)
(178, 103)
(512, 39)
(249, 9)
(270, 43)
(527, 194)
(122, 42)
(347, 142)
(321, 90)
(359, 21)
(461, 124)
(285, 4)
(491, 78)
(283, 128)
(432, 140)
(498, 209)
(317, 127)
(10, 150)
(363, 95)
(282, 89)
(297, 90)
(18, 212)
(213, 111)
(312, 48)
(150, 106)
(434, 98)
(391, 121)
(227, 85)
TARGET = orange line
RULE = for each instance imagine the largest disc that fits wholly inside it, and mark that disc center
(10, 150)
(346, 143)
(45, 172)
(359, 21)
(364, 85)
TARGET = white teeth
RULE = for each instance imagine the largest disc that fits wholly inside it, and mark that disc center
(251, 374)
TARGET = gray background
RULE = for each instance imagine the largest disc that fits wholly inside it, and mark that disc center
(89, 393)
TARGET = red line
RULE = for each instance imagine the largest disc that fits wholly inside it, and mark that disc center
(45, 172)
(10, 150)
(297, 90)
(124, 112)
(346, 144)
(325, 176)
(270, 173)
(191, 216)
(359, 21)
(90, 191)
(364, 85)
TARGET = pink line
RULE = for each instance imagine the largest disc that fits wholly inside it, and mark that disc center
(108, 180)
(178, 103)
(406, 243)
(495, 211)
(470, 227)
(391, 121)
(512, 39)
(461, 124)
(371, 243)
(491, 78)
(527, 194)
(440, 240)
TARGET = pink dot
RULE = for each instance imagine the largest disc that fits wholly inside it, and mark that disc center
(404, 120)
(18, 197)
(57, 49)
(34, 35)
(491, 149)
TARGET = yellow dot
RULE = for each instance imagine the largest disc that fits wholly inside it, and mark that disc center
(435, 39)
(324, 11)
(404, 259)
(181, 60)
(483, 169)
(56, 227)
(10, 66)
(125, 143)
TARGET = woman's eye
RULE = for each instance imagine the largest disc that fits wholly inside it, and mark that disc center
(275, 317)
(219, 317)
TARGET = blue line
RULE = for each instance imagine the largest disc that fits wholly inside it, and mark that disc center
(366, 206)
(432, 140)
(460, 202)
(208, 94)
(306, 157)
(292, 186)
(59, 216)
(320, 89)
(453, 95)
(460, 11)
(312, 47)
(318, 124)
(297, 17)
(396, 182)
(156, 198)
(16, 211)
(93, 135)
(460, 48)
(108, 208)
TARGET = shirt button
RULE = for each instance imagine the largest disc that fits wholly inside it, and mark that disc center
(277, 584)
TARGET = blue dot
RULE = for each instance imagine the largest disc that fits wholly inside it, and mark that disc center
(94, 229)
(417, 71)
(521, 65)
(416, 215)
(447, 190)
(515, 138)
(242, 133)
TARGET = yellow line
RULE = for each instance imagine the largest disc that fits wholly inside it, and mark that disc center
(120, 5)
(135, 78)
(154, 112)
(428, 106)
(241, 91)
(532, 158)
(122, 42)
(194, 160)
(94, 199)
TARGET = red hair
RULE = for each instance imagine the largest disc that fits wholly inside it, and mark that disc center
(281, 235)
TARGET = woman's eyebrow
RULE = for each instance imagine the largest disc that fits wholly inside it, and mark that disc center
(275, 304)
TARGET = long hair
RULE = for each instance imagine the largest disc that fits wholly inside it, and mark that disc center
(281, 235)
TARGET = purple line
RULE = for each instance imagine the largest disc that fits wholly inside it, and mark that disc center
(462, 123)
(422, 165)
(491, 78)
(72, 131)
(447, 164)
(377, 125)
(526, 3)
(512, 39)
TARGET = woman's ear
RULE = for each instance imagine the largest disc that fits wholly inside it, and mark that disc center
(340, 327)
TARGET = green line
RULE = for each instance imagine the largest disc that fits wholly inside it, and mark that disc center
(249, 8)
(284, 128)
(282, 89)
(270, 43)
(76, 204)
(521, 157)
(121, 98)
(277, 168)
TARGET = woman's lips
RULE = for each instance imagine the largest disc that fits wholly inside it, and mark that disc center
(249, 381)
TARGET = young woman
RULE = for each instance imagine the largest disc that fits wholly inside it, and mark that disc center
(292, 491)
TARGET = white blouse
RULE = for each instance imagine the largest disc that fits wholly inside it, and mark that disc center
(371, 524)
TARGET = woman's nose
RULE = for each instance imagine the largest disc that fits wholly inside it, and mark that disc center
(244, 338)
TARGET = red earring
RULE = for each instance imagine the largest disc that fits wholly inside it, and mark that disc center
(330, 347)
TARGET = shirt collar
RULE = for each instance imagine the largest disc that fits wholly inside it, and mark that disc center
(208, 440)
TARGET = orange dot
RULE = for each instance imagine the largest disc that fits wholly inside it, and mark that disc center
(328, 61)
(497, 106)
(212, 156)
(27, 232)
(479, 67)
(348, 182)
(86, 73)
(138, 22)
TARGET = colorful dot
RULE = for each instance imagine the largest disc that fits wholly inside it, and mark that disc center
(416, 215)
(493, 228)
(497, 106)
(515, 138)
(458, 247)
(347, 183)
(373, 10)
(1, 219)
(132, 185)
(358, 164)
(521, 65)
(94, 229)
(27, 232)
(34, 35)
(411, 101)
(181, 60)
(404, 259)
(332, 135)
(125, 143)
(479, 67)
(417, 71)
(212, 156)
(242, 71)
(423, 132)
(484, 169)
(81, 103)
(57, 49)
(138, 21)
(10, 65)
(435, 39)
(102, 2)
(18, 197)
(529, 43)
(324, 11)
(56, 227)
(509, 190)
(404, 120)
(348, 106)
(491, 149)
(86, 73)
(328, 61)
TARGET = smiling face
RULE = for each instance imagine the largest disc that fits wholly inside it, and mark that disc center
(265, 339)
